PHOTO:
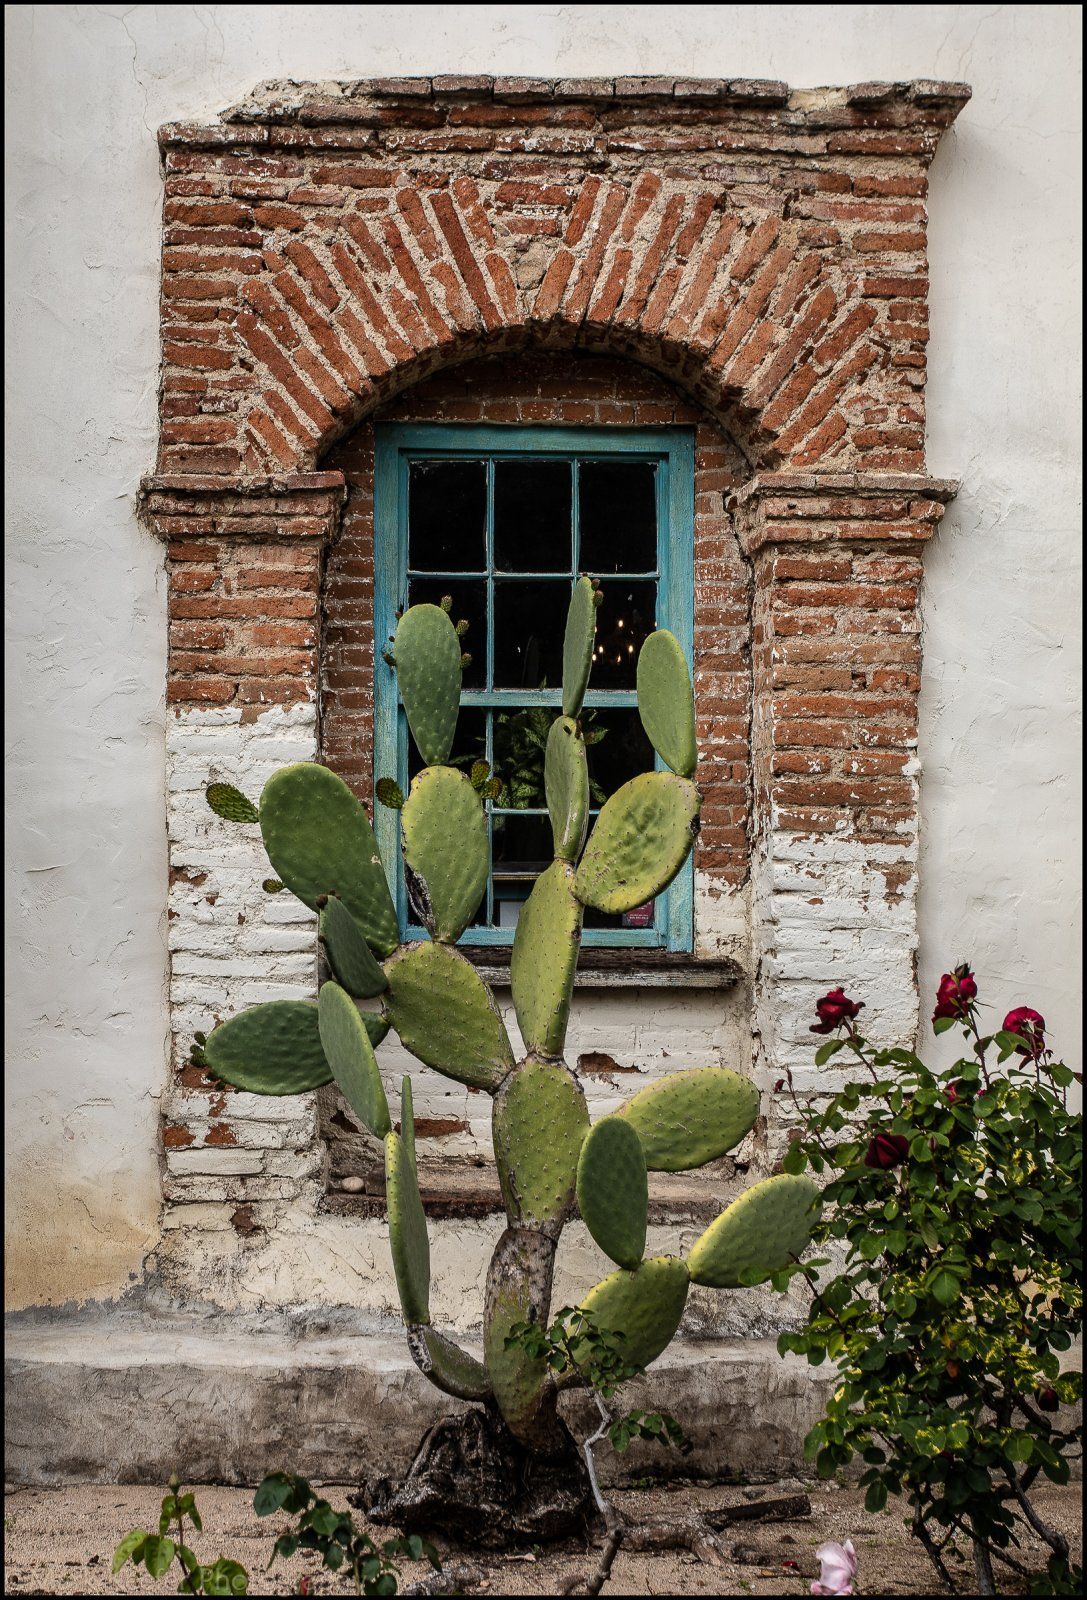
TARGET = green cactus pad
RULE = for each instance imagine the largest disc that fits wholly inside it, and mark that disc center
(644, 1307)
(577, 647)
(544, 959)
(448, 1367)
(613, 1190)
(230, 803)
(666, 701)
(350, 1054)
(270, 1049)
(445, 848)
(407, 1232)
(319, 840)
(446, 1016)
(540, 1120)
(566, 784)
(349, 955)
(428, 670)
(689, 1118)
(407, 1120)
(642, 837)
(764, 1229)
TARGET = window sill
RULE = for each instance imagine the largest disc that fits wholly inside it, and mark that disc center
(620, 969)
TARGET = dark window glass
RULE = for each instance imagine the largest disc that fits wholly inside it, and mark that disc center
(618, 750)
(618, 516)
(447, 516)
(532, 516)
(521, 848)
(624, 618)
(529, 624)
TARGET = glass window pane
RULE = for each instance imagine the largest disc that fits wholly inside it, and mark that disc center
(469, 743)
(469, 605)
(522, 848)
(532, 516)
(618, 749)
(520, 740)
(624, 618)
(618, 516)
(529, 624)
(447, 516)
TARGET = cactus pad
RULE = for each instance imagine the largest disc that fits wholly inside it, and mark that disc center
(566, 784)
(540, 1120)
(644, 1307)
(544, 959)
(642, 837)
(428, 670)
(613, 1191)
(407, 1232)
(350, 956)
(230, 803)
(689, 1118)
(666, 701)
(445, 1014)
(270, 1049)
(518, 1290)
(763, 1229)
(448, 1367)
(407, 1120)
(350, 1054)
(577, 647)
(319, 840)
(445, 848)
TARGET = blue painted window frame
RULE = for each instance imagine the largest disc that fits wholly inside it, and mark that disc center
(396, 445)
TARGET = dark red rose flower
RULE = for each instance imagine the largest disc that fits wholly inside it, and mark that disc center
(887, 1150)
(834, 1009)
(1030, 1026)
(1047, 1399)
(779, 1085)
(956, 993)
(951, 1093)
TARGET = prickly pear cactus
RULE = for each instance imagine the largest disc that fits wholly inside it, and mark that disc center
(551, 1163)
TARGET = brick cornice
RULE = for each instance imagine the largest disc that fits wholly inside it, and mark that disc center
(294, 506)
(796, 508)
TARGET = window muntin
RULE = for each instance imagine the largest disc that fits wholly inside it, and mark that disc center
(503, 520)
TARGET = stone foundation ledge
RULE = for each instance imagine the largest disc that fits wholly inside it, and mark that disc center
(101, 1401)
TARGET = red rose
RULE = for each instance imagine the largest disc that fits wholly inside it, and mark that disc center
(834, 1009)
(951, 1093)
(1047, 1399)
(956, 992)
(887, 1150)
(1030, 1026)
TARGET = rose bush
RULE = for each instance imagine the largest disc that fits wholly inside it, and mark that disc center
(953, 1197)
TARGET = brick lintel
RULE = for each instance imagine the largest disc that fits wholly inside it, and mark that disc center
(839, 507)
(296, 505)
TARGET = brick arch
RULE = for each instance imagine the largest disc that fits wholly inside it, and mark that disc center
(737, 305)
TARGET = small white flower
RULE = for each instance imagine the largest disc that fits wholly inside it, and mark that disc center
(839, 1568)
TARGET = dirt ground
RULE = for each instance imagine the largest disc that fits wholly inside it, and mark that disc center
(61, 1541)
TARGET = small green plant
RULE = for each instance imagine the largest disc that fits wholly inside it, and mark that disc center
(333, 1536)
(158, 1551)
(520, 745)
(957, 1197)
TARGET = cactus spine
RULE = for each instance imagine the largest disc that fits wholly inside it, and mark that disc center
(321, 844)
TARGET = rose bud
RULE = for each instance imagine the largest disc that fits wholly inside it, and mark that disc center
(779, 1085)
(887, 1150)
(1030, 1026)
(956, 992)
(834, 1009)
(952, 1369)
(1048, 1399)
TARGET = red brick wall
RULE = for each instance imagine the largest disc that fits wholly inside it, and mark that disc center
(558, 390)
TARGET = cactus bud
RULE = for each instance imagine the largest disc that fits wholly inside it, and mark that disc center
(389, 793)
(480, 773)
(446, 603)
(462, 628)
(388, 659)
(598, 596)
(493, 788)
(230, 803)
(201, 1038)
(321, 902)
(465, 661)
(273, 885)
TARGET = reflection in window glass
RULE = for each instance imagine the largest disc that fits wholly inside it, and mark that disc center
(617, 507)
(447, 516)
(532, 516)
(626, 615)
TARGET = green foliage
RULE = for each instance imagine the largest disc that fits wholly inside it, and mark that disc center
(333, 1536)
(158, 1552)
(955, 1196)
(520, 752)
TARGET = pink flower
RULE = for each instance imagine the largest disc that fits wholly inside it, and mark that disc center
(839, 1568)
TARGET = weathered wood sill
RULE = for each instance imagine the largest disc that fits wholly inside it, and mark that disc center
(620, 969)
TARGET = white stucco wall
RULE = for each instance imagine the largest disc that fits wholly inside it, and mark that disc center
(86, 859)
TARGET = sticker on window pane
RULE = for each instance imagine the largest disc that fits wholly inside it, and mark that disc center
(521, 850)
(447, 516)
(529, 624)
(520, 742)
(469, 605)
(624, 618)
(617, 749)
(532, 516)
(617, 507)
